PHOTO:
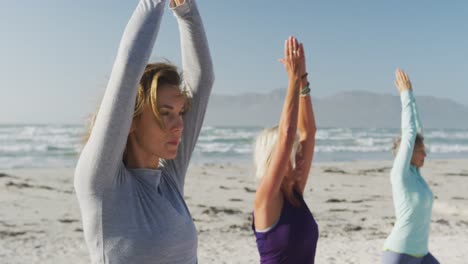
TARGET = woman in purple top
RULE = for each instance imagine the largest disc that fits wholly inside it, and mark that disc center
(284, 227)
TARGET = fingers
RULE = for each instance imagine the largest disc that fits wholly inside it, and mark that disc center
(301, 50)
(398, 74)
(401, 75)
(294, 45)
(286, 52)
(290, 47)
(398, 79)
(406, 77)
(293, 49)
(402, 81)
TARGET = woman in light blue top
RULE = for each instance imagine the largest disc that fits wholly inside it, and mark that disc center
(412, 197)
(130, 176)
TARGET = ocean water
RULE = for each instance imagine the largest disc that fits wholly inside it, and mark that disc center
(54, 146)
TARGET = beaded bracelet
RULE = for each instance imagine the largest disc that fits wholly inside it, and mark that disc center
(306, 90)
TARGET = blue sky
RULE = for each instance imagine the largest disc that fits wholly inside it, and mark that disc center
(56, 55)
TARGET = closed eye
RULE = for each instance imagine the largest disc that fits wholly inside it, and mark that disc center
(164, 111)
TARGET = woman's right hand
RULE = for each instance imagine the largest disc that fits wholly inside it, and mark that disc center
(293, 60)
(402, 81)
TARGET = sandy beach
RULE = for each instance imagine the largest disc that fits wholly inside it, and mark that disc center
(351, 201)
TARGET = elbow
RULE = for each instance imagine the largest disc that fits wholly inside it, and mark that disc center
(308, 134)
(209, 77)
(287, 133)
(313, 131)
(205, 78)
(207, 74)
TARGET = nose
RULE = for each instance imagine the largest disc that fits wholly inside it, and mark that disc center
(178, 124)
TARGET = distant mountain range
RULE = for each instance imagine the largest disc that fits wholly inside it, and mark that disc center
(354, 109)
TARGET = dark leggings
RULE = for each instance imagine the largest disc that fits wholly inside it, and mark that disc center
(389, 257)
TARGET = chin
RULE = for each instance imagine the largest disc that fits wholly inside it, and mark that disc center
(170, 155)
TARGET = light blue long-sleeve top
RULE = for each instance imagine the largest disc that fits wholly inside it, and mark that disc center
(412, 197)
(139, 215)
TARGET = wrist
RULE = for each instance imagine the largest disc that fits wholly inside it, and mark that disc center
(304, 79)
(405, 90)
(295, 78)
(305, 91)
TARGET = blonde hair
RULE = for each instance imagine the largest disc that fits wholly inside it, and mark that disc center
(154, 76)
(264, 145)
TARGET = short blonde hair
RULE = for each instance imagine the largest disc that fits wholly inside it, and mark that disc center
(264, 145)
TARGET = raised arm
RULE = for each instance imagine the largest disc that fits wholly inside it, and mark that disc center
(307, 129)
(419, 126)
(102, 155)
(270, 185)
(402, 161)
(198, 78)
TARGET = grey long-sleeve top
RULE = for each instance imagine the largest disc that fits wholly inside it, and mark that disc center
(139, 215)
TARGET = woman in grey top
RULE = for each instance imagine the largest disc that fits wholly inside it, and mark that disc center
(129, 179)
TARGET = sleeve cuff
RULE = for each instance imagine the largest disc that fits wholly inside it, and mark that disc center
(406, 97)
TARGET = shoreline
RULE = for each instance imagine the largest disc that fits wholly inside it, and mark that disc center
(40, 220)
(249, 162)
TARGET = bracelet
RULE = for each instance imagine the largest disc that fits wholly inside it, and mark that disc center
(307, 93)
(305, 75)
(306, 90)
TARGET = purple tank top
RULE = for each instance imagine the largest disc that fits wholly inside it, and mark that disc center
(293, 239)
